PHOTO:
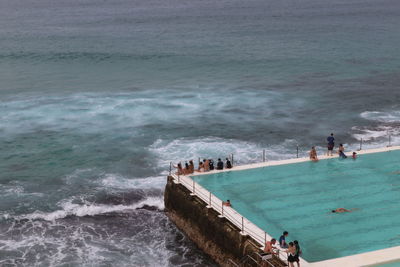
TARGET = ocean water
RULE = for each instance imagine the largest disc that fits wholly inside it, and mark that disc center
(97, 97)
(299, 198)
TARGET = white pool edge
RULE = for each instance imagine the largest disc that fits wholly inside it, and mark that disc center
(297, 160)
(372, 258)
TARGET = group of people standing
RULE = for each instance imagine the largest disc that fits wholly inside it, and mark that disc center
(331, 144)
(292, 249)
(204, 166)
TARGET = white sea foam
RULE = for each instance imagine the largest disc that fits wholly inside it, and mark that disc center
(117, 181)
(376, 135)
(213, 147)
(11, 190)
(79, 210)
(381, 116)
(372, 134)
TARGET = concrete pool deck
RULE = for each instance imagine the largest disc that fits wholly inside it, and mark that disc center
(260, 236)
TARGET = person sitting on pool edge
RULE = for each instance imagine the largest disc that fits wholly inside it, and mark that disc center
(269, 247)
(220, 165)
(227, 203)
(228, 164)
(313, 154)
(282, 240)
(341, 152)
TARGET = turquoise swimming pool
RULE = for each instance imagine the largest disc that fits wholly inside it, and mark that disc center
(299, 198)
(390, 264)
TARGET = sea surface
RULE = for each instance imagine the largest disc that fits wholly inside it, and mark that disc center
(98, 97)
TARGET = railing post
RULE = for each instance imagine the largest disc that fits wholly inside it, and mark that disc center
(361, 141)
(263, 155)
(193, 186)
(265, 238)
(210, 199)
(242, 225)
(170, 168)
(232, 159)
(297, 151)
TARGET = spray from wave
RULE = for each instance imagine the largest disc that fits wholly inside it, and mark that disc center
(383, 127)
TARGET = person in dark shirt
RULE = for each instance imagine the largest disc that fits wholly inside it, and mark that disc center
(228, 163)
(282, 240)
(220, 165)
(211, 164)
(331, 144)
(298, 252)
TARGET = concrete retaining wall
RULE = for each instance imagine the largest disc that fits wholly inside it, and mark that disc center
(214, 235)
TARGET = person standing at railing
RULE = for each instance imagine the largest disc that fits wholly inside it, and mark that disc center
(331, 144)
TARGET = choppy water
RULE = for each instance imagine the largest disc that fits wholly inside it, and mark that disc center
(96, 98)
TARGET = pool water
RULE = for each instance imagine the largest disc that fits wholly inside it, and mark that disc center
(299, 198)
(390, 264)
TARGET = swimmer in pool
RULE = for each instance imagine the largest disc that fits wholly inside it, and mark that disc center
(341, 210)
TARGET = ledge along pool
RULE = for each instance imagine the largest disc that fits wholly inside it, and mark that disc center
(299, 198)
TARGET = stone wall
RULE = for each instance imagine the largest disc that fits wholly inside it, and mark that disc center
(214, 235)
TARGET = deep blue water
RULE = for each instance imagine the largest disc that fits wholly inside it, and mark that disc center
(97, 97)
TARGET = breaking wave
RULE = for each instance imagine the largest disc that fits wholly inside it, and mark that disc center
(71, 209)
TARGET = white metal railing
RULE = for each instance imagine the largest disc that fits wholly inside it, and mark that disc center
(261, 156)
(246, 226)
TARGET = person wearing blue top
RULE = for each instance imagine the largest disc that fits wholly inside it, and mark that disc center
(282, 240)
(331, 144)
